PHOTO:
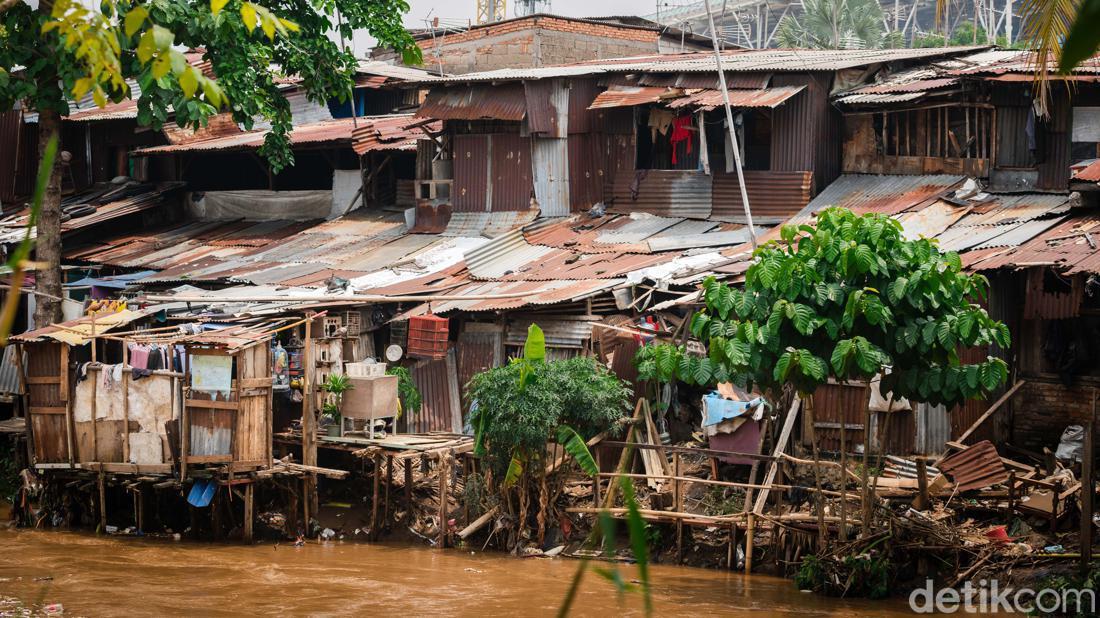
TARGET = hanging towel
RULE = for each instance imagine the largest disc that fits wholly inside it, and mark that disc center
(681, 132)
(139, 356)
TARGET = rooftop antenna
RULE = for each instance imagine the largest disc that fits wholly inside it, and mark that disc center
(489, 11)
(532, 7)
(729, 124)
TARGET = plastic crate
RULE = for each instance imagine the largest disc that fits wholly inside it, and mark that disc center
(354, 321)
(428, 336)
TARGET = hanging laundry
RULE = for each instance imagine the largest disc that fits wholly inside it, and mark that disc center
(659, 122)
(139, 356)
(681, 132)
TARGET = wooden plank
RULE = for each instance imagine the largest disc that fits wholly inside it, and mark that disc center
(988, 413)
(48, 410)
(209, 459)
(780, 448)
(254, 383)
(218, 405)
(126, 402)
(44, 380)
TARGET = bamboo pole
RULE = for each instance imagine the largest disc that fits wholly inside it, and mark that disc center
(822, 530)
(678, 506)
(444, 464)
(843, 476)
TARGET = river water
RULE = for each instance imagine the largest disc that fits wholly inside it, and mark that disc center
(113, 576)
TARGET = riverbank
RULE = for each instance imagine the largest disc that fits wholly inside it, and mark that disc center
(100, 576)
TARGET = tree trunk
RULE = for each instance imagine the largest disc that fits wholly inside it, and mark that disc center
(47, 249)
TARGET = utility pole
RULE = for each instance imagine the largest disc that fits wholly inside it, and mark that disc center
(729, 124)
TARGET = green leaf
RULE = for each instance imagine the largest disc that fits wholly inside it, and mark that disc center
(248, 15)
(534, 349)
(216, 6)
(188, 82)
(840, 355)
(577, 449)
(803, 318)
(135, 18)
(161, 66)
(783, 366)
(146, 47)
(515, 470)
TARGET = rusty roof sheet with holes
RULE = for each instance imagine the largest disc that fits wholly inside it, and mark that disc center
(335, 132)
(507, 102)
(710, 99)
(627, 96)
(391, 132)
(977, 467)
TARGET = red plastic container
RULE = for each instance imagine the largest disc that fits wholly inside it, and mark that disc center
(428, 336)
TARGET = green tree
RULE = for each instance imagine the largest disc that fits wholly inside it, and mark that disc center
(61, 51)
(834, 24)
(848, 298)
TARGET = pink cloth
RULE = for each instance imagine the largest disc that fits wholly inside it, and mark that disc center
(139, 357)
(745, 439)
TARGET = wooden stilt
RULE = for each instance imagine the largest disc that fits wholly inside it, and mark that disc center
(374, 521)
(677, 502)
(389, 481)
(730, 555)
(443, 465)
(822, 530)
(408, 489)
(843, 476)
(309, 421)
(1088, 490)
(865, 529)
(305, 504)
(102, 482)
(750, 533)
(249, 496)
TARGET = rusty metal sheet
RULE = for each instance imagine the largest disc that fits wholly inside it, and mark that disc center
(711, 99)
(566, 264)
(336, 132)
(471, 173)
(931, 221)
(773, 195)
(581, 119)
(1088, 173)
(627, 96)
(433, 380)
(663, 192)
(547, 107)
(550, 171)
(587, 170)
(977, 467)
(391, 132)
(503, 102)
(503, 255)
(886, 194)
(510, 172)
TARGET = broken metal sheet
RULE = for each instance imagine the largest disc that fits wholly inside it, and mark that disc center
(930, 221)
(1016, 235)
(638, 227)
(504, 102)
(975, 468)
(503, 255)
(764, 98)
(887, 194)
(487, 224)
(628, 96)
(690, 241)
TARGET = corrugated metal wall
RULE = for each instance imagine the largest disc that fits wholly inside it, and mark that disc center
(806, 130)
(772, 195)
(477, 351)
(835, 404)
(471, 171)
(1054, 167)
(587, 170)
(672, 193)
(436, 383)
(581, 119)
(550, 168)
(511, 172)
(18, 156)
(547, 107)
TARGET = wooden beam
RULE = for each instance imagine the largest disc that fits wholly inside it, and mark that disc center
(780, 448)
(988, 413)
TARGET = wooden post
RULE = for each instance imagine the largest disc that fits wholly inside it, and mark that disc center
(374, 496)
(408, 490)
(63, 387)
(750, 532)
(822, 530)
(309, 429)
(596, 479)
(102, 482)
(923, 500)
(389, 481)
(730, 555)
(865, 529)
(677, 506)
(139, 508)
(249, 496)
(443, 463)
(844, 475)
(1088, 489)
(125, 402)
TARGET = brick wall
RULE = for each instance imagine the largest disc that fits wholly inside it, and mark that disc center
(536, 41)
(1043, 408)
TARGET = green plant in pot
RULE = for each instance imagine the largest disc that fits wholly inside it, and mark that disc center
(334, 387)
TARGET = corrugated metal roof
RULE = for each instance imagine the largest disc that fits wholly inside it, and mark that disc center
(74, 332)
(1016, 235)
(775, 60)
(328, 131)
(10, 382)
(487, 224)
(638, 227)
(396, 72)
(1088, 173)
(710, 99)
(391, 132)
(507, 102)
(503, 255)
(885, 194)
(627, 96)
(878, 99)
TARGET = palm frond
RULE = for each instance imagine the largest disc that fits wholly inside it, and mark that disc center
(1046, 24)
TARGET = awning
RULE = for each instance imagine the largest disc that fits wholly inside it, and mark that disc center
(627, 96)
(76, 332)
(709, 99)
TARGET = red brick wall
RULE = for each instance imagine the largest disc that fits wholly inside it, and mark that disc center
(536, 41)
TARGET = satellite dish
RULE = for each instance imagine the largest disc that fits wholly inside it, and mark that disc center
(394, 353)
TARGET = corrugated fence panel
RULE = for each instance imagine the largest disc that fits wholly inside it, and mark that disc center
(547, 107)
(587, 170)
(772, 195)
(1054, 162)
(550, 168)
(835, 404)
(471, 173)
(581, 119)
(805, 131)
(511, 172)
(477, 352)
(432, 380)
(673, 193)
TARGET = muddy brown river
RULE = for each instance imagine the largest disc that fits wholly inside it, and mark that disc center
(112, 576)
